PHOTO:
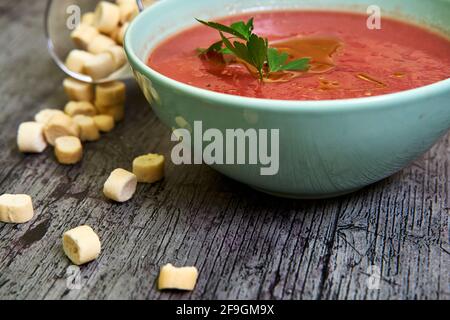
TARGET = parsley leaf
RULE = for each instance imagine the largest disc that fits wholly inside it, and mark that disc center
(277, 62)
(239, 49)
(225, 51)
(243, 28)
(216, 47)
(223, 28)
(297, 65)
(252, 49)
(257, 49)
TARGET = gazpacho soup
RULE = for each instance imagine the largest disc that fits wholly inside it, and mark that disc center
(303, 55)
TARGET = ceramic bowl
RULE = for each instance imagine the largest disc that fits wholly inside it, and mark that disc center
(326, 148)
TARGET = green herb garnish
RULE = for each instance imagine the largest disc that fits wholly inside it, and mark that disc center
(278, 61)
(254, 50)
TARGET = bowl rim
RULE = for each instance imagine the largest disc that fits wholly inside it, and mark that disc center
(362, 103)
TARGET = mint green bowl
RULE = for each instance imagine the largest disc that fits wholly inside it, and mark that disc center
(327, 148)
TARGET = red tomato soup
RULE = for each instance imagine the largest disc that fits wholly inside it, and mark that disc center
(347, 59)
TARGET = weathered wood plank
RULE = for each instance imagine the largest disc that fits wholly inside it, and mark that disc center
(246, 245)
(401, 228)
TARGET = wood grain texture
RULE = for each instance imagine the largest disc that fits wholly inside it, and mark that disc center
(245, 244)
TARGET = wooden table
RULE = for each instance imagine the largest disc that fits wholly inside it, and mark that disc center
(247, 245)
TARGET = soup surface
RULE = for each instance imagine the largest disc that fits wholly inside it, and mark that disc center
(348, 60)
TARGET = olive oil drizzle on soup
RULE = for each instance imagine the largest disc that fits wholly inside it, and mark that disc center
(347, 59)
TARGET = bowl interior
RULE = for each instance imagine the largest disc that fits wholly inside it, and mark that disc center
(171, 16)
